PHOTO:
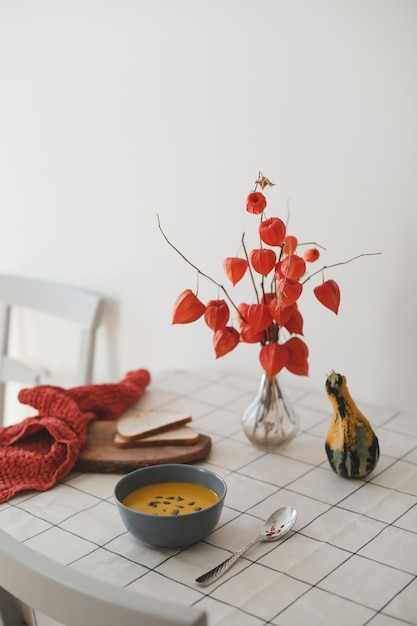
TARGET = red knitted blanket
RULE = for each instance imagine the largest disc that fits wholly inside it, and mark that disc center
(41, 450)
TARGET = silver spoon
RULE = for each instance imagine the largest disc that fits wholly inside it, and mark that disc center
(277, 525)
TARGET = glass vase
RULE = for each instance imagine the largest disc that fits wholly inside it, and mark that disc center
(269, 421)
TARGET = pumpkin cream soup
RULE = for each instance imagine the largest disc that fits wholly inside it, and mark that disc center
(171, 498)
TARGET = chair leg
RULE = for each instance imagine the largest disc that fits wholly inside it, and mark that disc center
(2, 402)
(9, 613)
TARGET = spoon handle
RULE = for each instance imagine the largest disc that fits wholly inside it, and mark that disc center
(220, 569)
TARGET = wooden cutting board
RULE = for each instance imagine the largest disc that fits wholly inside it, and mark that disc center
(101, 455)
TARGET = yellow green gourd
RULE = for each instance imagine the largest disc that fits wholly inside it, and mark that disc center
(351, 445)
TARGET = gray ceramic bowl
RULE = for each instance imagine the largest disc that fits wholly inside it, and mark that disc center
(171, 531)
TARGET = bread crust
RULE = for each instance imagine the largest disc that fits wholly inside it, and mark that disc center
(182, 436)
(136, 425)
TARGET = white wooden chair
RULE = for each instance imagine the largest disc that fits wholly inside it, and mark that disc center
(19, 294)
(29, 580)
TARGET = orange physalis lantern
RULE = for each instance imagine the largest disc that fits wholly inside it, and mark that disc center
(294, 324)
(288, 292)
(259, 317)
(273, 357)
(311, 255)
(328, 293)
(217, 314)
(249, 335)
(292, 266)
(225, 340)
(187, 308)
(290, 244)
(235, 269)
(255, 202)
(297, 362)
(272, 231)
(263, 260)
(280, 314)
(243, 309)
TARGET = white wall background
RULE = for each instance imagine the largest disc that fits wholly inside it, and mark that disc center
(112, 111)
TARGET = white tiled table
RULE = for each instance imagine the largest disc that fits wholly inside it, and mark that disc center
(351, 558)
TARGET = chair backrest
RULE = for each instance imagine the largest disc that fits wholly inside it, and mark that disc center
(76, 599)
(60, 301)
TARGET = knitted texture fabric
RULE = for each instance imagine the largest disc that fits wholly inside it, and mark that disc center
(41, 450)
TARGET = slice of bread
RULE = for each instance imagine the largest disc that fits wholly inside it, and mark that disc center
(182, 436)
(139, 424)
